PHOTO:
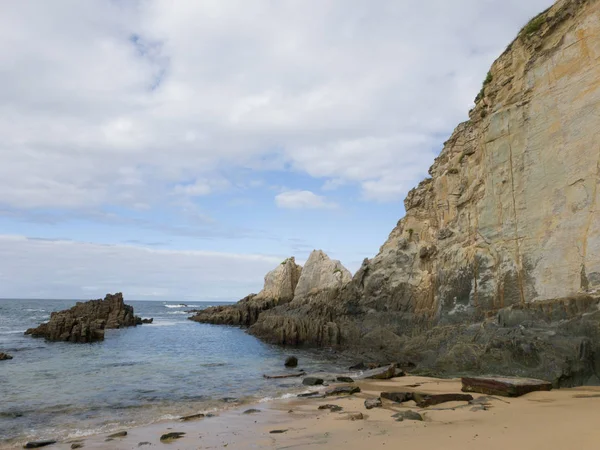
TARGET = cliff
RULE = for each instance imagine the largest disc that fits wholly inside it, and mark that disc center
(496, 265)
(279, 287)
(86, 321)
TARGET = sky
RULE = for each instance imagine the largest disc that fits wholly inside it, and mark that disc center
(179, 150)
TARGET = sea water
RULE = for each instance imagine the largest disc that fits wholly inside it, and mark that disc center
(137, 375)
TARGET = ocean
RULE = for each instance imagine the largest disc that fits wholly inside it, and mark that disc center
(137, 375)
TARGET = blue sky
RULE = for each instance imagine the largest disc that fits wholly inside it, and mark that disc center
(179, 151)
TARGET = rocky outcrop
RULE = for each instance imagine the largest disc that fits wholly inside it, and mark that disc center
(279, 287)
(86, 321)
(308, 318)
(495, 266)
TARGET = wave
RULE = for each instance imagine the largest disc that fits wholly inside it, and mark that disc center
(177, 312)
(164, 323)
(182, 305)
(13, 332)
(35, 310)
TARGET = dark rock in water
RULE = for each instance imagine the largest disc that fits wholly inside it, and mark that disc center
(398, 397)
(86, 321)
(118, 434)
(426, 400)
(504, 386)
(371, 403)
(314, 394)
(75, 445)
(252, 411)
(277, 431)
(140, 321)
(342, 390)
(359, 366)
(407, 415)
(168, 437)
(332, 408)
(285, 375)
(38, 444)
(192, 417)
(230, 400)
(345, 379)
(291, 361)
(5, 356)
(312, 381)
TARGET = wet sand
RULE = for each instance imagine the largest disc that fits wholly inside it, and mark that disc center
(560, 419)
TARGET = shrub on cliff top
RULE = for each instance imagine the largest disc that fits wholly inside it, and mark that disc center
(534, 25)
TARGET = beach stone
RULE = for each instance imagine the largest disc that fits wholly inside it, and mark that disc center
(342, 390)
(277, 431)
(504, 386)
(426, 400)
(252, 411)
(345, 379)
(192, 417)
(75, 445)
(118, 434)
(353, 416)
(5, 356)
(398, 397)
(291, 361)
(332, 408)
(141, 444)
(168, 437)
(371, 403)
(312, 381)
(39, 444)
(407, 415)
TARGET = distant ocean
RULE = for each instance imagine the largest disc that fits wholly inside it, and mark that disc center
(136, 376)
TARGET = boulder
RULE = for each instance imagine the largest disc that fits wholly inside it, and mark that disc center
(426, 400)
(169, 437)
(382, 373)
(504, 386)
(345, 379)
(5, 356)
(312, 381)
(86, 321)
(342, 390)
(291, 361)
(371, 403)
(397, 397)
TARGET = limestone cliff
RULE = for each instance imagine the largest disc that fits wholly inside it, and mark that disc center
(496, 264)
(279, 287)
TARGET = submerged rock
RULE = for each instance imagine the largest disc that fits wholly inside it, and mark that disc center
(86, 321)
(5, 356)
(312, 381)
(291, 361)
(192, 417)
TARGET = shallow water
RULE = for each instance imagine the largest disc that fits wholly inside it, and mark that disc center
(136, 376)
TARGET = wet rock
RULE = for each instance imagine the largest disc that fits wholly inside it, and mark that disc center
(277, 431)
(230, 399)
(504, 386)
(5, 356)
(75, 445)
(382, 373)
(371, 403)
(312, 381)
(313, 394)
(291, 361)
(252, 411)
(285, 375)
(426, 400)
(332, 408)
(168, 437)
(342, 390)
(398, 397)
(86, 321)
(192, 417)
(407, 415)
(118, 434)
(148, 320)
(359, 366)
(39, 444)
(141, 444)
(345, 379)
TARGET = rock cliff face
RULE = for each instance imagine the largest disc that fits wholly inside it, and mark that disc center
(86, 321)
(278, 289)
(496, 265)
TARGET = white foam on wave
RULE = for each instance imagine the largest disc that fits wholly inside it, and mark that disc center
(177, 312)
(13, 332)
(164, 323)
(282, 397)
(35, 310)
(176, 306)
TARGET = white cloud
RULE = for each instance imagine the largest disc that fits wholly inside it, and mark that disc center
(302, 200)
(68, 269)
(117, 102)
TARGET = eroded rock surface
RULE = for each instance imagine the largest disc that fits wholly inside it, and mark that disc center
(86, 321)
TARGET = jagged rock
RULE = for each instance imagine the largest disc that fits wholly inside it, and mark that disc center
(342, 390)
(371, 403)
(145, 321)
(278, 289)
(513, 288)
(407, 415)
(5, 356)
(312, 381)
(427, 400)
(86, 321)
(507, 387)
(291, 361)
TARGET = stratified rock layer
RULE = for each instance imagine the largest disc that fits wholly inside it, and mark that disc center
(496, 266)
(86, 321)
(278, 289)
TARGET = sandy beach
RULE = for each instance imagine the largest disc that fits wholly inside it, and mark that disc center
(560, 419)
